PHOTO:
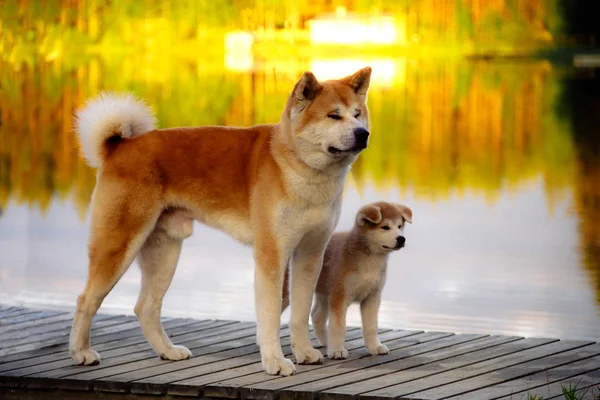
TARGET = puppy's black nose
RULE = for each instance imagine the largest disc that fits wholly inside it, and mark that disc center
(400, 240)
(361, 135)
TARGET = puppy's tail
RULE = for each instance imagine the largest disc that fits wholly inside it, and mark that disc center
(104, 120)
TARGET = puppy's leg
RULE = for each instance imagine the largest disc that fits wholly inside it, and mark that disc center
(306, 266)
(117, 233)
(337, 326)
(319, 317)
(158, 261)
(268, 285)
(369, 310)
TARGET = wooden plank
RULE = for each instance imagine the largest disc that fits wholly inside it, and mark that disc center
(235, 367)
(21, 335)
(36, 343)
(239, 385)
(356, 370)
(405, 382)
(6, 308)
(45, 328)
(9, 393)
(454, 383)
(12, 345)
(51, 382)
(193, 379)
(214, 350)
(158, 381)
(29, 315)
(105, 379)
(414, 368)
(34, 318)
(6, 319)
(99, 335)
(106, 350)
(251, 367)
(38, 322)
(124, 358)
(539, 372)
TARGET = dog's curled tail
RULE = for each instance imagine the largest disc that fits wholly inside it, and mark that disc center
(107, 117)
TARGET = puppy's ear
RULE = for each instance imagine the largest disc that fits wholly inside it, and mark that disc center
(305, 91)
(359, 81)
(369, 213)
(405, 212)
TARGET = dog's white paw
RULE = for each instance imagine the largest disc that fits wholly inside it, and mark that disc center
(308, 355)
(380, 349)
(337, 354)
(176, 353)
(85, 357)
(278, 366)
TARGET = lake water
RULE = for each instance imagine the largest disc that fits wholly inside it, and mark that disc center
(499, 162)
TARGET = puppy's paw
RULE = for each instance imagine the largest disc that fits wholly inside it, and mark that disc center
(176, 353)
(85, 357)
(380, 349)
(337, 354)
(278, 366)
(308, 355)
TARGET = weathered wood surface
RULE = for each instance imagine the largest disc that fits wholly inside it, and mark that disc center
(35, 363)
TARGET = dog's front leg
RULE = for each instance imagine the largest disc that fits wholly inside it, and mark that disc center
(306, 266)
(271, 262)
(369, 311)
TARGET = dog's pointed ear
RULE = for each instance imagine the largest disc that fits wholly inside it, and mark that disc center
(359, 81)
(405, 211)
(305, 91)
(369, 213)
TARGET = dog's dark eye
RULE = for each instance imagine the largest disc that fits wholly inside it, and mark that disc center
(399, 226)
(334, 116)
(357, 115)
(385, 228)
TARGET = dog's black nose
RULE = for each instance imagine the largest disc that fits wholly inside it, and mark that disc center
(361, 135)
(400, 240)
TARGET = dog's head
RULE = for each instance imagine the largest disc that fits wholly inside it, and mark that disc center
(329, 121)
(381, 225)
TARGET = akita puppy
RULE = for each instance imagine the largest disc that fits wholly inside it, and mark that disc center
(275, 187)
(354, 271)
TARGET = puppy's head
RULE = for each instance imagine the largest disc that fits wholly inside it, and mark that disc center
(329, 121)
(381, 225)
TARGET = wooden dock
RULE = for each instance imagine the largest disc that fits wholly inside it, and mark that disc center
(35, 364)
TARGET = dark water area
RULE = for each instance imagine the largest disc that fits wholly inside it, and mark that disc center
(499, 161)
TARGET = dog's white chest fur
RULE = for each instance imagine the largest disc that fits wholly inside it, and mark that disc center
(368, 277)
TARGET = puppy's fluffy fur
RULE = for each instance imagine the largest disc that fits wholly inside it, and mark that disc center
(354, 271)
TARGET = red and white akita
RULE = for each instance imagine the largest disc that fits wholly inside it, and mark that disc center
(275, 187)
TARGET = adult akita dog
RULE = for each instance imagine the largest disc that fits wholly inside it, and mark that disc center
(276, 187)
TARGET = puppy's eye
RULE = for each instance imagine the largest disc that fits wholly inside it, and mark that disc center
(334, 116)
(385, 228)
(357, 114)
(399, 226)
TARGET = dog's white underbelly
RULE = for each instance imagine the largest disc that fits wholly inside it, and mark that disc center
(238, 228)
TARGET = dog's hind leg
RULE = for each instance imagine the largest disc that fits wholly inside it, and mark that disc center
(158, 261)
(117, 234)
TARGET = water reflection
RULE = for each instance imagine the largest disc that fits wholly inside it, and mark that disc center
(499, 161)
